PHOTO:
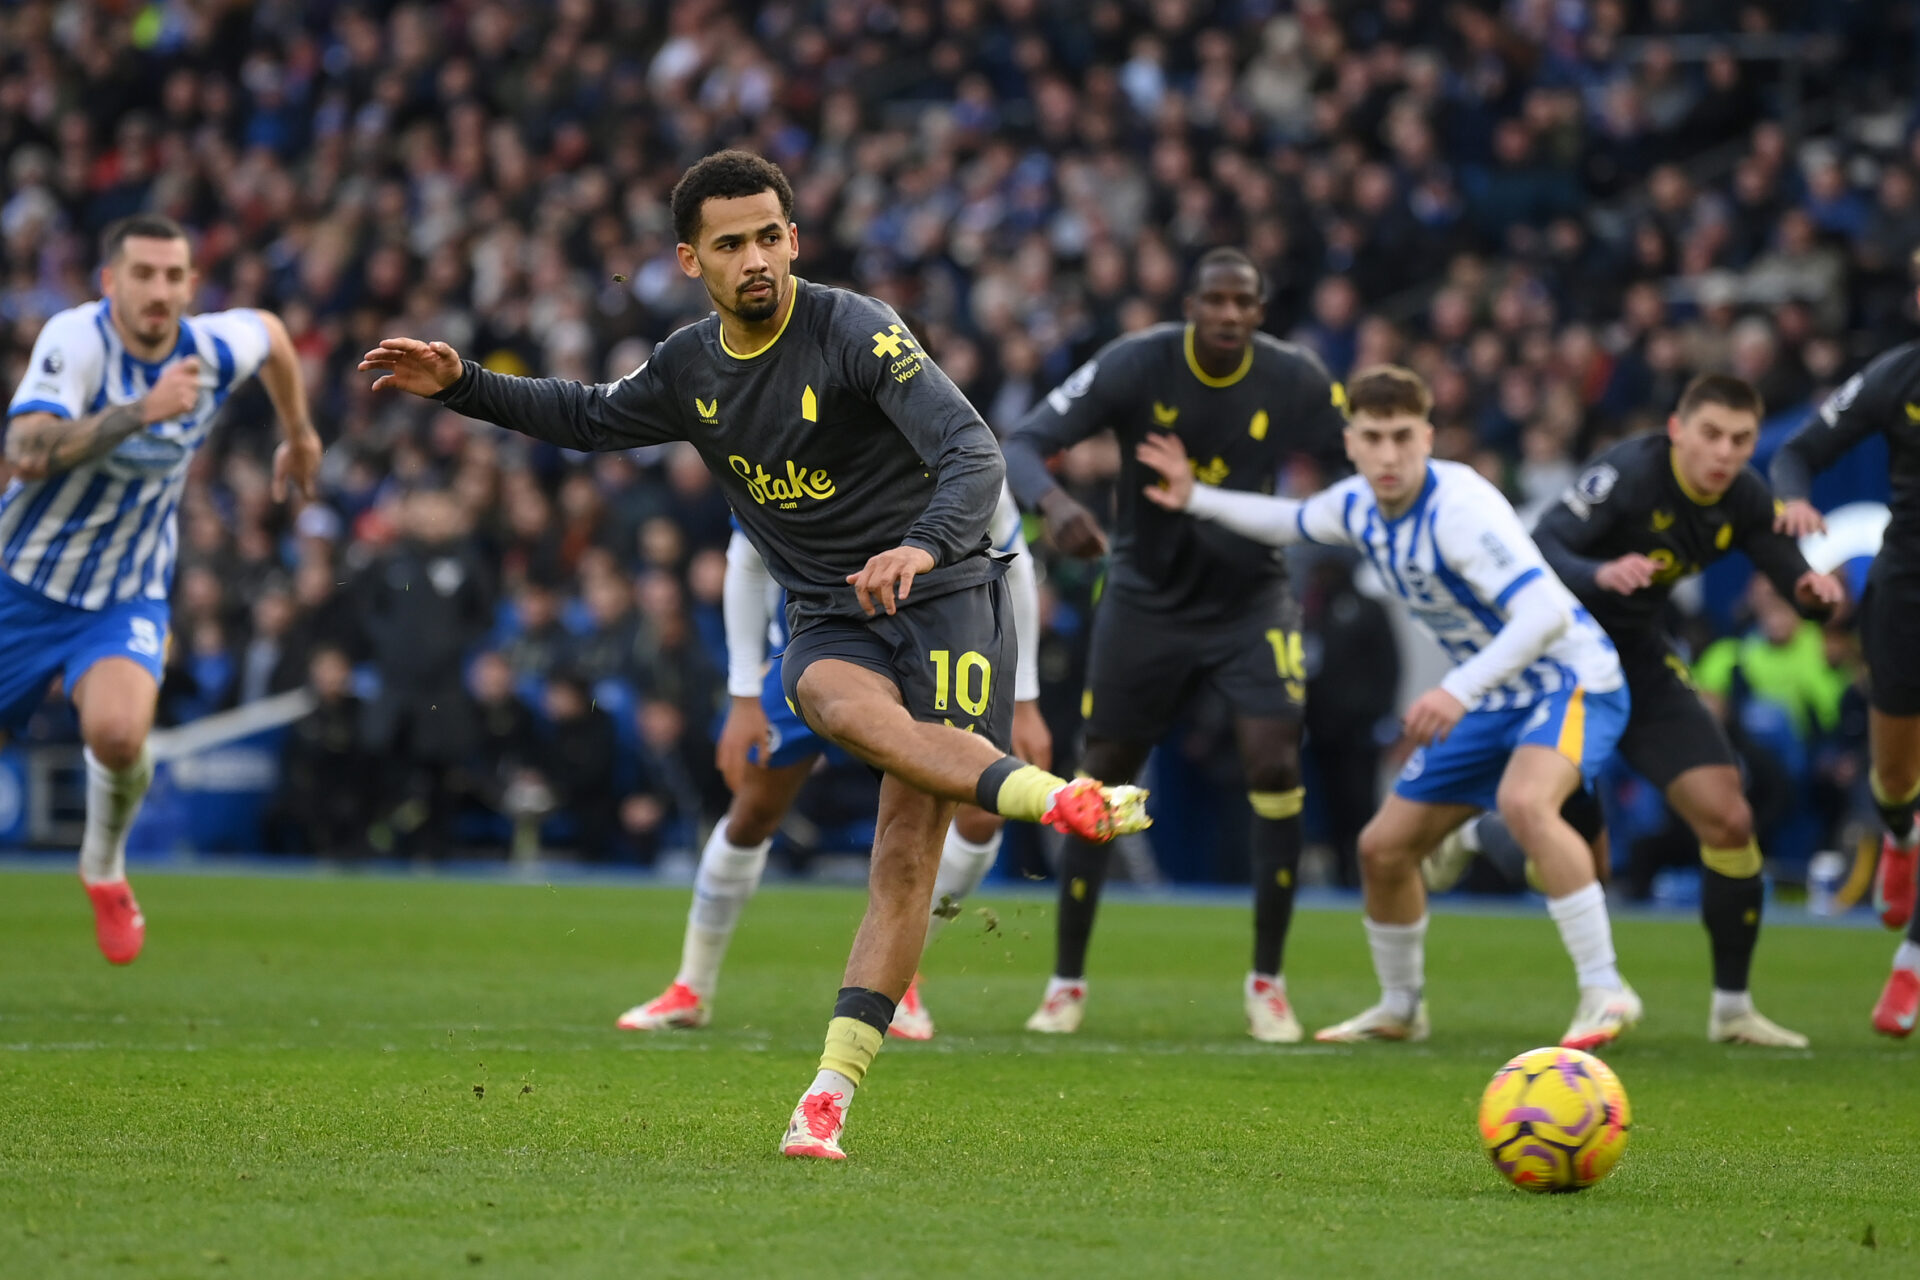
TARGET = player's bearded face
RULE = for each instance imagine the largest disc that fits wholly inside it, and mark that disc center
(1711, 445)
(745, 255)
(1392, 454)
(150, 282)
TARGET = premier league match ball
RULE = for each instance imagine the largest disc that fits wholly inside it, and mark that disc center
(1554, 1120)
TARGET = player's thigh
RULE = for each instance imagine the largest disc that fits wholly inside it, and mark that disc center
(114, 669)
(1890, 641)
(1670, 732)
(1580, 726)
(953, 658)
(838, 675)
(37, 636)
(1257, 662)
(1142, 668)
(1114, 761)
(1405, 831)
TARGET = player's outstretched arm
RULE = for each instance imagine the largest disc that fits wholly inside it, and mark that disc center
(41, 444)
(1861, 406)
(1076, 409)
(621, 415)
(296, 462)
(1274, 521)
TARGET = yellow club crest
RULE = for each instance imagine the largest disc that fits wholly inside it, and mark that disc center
(1258, 427)
(809, 406)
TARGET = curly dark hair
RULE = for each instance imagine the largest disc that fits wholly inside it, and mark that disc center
(725, 175)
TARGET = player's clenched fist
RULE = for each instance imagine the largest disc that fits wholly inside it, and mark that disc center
(408, 364)
(175, 391)
(1073, 527)
(888, 577)
(1432, 717)
(1626, 574)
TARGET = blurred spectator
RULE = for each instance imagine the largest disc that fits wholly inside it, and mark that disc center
(1554, 212)
(327, 777)
(576, 761)
(1783, 660)
(422, 606)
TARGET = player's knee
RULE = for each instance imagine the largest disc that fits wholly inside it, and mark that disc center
(975, 825)
(1726, 825)
(1278, 773)
(1111, 762)
(1527, 807)
(1379, 852)
(116, 740)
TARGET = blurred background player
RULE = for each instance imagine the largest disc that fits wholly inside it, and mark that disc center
(1882, 398)
(867, 482)
(1187, 606)
(767, 753)
(117, 397)
(1526, 717)
(1642, 517)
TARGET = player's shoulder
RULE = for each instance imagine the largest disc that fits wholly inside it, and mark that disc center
(1893, 374)
(83, 326)
(844, 316)
(1288, 359)
(247, 324)
(1623, 471)
(1164, 341)
(1462, 496)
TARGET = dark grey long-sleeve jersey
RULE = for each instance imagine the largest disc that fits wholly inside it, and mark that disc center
(836, 441)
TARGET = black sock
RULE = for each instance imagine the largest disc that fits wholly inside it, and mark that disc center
(1276, 869)
(864, 1005)
(1501, 850)
(1730, 908)
(1083, 870)
(1898, 817)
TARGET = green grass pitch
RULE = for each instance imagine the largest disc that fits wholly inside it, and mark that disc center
(390, 1077)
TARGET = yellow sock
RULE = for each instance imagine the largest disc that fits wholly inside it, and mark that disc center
(1742, 863)
(851, 1045)
(1022, 791)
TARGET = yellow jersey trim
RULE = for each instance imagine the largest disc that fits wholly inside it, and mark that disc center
(793, 300)
(1207, 379)
(1694, 496)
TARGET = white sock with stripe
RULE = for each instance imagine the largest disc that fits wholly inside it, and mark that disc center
(113, 800)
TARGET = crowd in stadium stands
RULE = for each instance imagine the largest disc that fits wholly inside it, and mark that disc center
(1555, 212)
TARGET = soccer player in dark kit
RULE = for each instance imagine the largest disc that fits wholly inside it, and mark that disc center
(1884, 397)
(1187, 604)
(1642, 516)
(866, 482)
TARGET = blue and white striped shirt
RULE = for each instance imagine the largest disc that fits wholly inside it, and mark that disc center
(105, 531)
(1457, 556)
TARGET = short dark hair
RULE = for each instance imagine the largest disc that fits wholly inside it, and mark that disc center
(1384, 390)
(144, 226)
(1226, 256)
(725, 175)
(1722, 389)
